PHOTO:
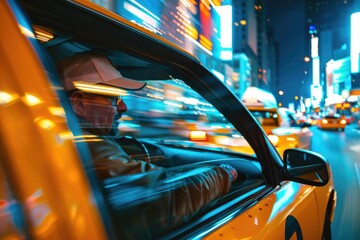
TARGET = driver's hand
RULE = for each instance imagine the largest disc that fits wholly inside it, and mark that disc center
(231, 170)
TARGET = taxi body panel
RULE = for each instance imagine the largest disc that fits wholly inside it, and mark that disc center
(48, 189)
(34, 128)
(265, 220)
(283, 214)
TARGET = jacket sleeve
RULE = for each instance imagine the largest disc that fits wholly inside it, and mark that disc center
(110, 160)
(205, 185)
(191, 189)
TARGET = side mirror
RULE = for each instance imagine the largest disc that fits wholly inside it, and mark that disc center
(306, 167)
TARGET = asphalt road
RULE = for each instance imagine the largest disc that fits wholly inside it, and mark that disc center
(342, 150)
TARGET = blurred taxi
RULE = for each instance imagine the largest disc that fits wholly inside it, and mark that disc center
(211, 131)
(49, 188)
(281, 127)
(332, 121)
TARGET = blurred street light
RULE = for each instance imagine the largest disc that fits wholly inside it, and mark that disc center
(306, 59)
(281, 92)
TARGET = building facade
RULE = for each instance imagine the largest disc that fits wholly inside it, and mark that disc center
(329, 23)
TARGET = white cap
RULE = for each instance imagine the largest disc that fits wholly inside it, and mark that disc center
(94, 69)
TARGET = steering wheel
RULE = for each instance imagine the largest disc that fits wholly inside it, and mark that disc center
(135, 149)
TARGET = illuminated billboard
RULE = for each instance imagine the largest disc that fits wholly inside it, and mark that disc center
(314, 47)
(187, 23)
(225, 32)
(355, 43)
(342, 77)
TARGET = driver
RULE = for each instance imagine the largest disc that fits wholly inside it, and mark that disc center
(94, 86)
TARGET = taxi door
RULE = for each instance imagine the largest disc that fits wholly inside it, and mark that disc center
(289, 212)
(39, 165)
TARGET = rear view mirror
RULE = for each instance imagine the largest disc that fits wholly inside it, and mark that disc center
(306, 167)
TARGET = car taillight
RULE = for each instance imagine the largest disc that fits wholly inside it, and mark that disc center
(198, 136)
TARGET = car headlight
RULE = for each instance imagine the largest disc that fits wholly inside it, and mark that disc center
(274, 139)
(343, 121)
(324, 121)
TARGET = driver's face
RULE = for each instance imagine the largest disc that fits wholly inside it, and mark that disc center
(103, 112)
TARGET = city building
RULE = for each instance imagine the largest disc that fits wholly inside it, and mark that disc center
(245, 60)
(232, 38)
(191, 25)
(264, 45)
(328, 42)
(254, 48)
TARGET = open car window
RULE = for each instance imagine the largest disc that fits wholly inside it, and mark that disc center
(172, 113)
(168, 125)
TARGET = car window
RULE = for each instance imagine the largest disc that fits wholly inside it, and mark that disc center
(333, 116)
(170, 111)
(266, 118)
(170, 126)
(171, 140)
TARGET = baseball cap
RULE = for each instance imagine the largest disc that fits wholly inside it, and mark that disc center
(93, 69)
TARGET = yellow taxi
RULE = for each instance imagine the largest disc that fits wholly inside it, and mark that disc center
(332, 121)
(282, 128)
(50, 186)
(281, 125)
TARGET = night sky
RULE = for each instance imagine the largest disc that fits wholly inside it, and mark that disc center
(288, 19)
